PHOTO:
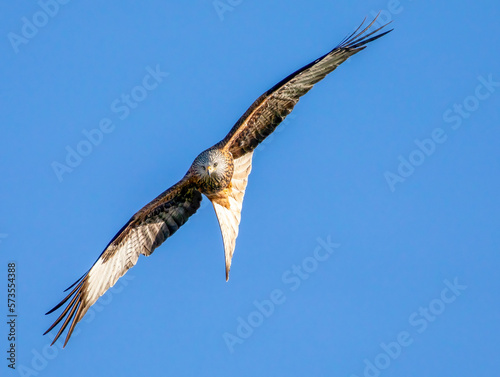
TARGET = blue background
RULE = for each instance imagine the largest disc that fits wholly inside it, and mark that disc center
(324, 174)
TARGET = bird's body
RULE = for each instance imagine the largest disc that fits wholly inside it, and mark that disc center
(220, 173)
(214, 169)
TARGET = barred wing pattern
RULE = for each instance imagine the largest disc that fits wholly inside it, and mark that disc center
(144, 232)
(269, 110)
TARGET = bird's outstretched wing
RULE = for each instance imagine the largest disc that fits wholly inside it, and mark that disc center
(144, 232)
(267, 112)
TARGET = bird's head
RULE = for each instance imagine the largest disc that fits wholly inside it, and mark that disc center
(213, 165)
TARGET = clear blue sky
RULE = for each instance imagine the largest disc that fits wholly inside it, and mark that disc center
(392, 160)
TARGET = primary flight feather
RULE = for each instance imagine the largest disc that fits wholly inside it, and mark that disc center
(220, 173)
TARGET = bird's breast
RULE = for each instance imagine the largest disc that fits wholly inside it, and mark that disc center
(216, 184)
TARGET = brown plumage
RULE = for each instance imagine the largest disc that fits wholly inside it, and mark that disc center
(220, 172)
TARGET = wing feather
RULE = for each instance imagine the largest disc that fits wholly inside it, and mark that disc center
(144, 232)
(269, 110)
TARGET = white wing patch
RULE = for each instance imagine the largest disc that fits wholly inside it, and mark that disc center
(103, 275)
(229, 219)
(142, 239)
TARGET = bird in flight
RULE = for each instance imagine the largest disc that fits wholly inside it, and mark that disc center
(220, 173)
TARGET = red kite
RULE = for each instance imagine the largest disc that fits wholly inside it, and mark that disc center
(220, 173)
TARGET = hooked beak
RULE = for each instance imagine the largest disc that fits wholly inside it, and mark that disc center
(210, 170)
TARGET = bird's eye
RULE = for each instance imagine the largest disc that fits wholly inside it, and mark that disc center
(204, 168)
(215, 165)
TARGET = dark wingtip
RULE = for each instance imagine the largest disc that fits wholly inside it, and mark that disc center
(68, 312)
(80, 281)
(53, 309)
(358, 40)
